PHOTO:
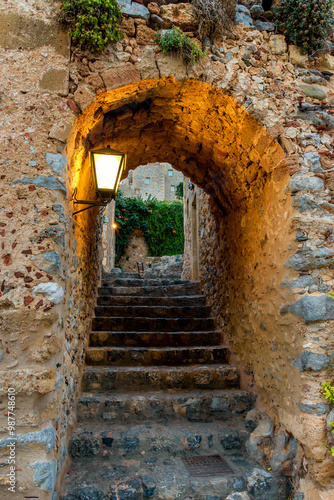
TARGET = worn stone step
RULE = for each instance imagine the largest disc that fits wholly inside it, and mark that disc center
(151, 291)
(154, 339)
(153, 311)
(102, 439)
(111, 300)
(132, 282)
(164, 405)
(152, 324)
(148, 274)
(164, 476)
(99, 379)
(149, 356)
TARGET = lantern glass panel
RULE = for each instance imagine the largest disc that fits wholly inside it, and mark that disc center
(106, 168)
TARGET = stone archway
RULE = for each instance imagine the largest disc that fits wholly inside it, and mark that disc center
(199, 129)
(248, 228)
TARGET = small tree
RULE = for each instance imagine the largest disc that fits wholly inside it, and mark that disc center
(179, 191)
(307, 23)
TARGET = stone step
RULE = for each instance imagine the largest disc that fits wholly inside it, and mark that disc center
(132, 282)
(151, 291)
(145, 324)
(148, 274)
(104, 439)
(164, 476)
(154, 339)
(153, 311)
(149, 356)
(112, 300)
(99, 379)
(164, 405)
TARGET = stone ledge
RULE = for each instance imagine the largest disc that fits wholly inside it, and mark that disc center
(22, 32)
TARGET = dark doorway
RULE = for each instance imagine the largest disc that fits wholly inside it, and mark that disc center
(267, 4)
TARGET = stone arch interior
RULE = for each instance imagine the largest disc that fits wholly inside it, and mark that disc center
(201, 131)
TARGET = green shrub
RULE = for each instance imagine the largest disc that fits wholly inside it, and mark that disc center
(329, 394)
(307, 23)
(174, 41)
(93, 23)
(160, 221)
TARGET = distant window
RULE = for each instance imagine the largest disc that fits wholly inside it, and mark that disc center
(147, 180)
(170, 173)
(172, 188)
(137, 191)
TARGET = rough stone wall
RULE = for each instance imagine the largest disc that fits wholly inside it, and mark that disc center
(160, 182)
(189, 190)
(108, 238)
(52, 97)
(49, 266)
(136, 251)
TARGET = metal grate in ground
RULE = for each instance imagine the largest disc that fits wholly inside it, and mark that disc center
(207, 466)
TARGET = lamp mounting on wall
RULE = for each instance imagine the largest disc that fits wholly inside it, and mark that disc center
(107, 165)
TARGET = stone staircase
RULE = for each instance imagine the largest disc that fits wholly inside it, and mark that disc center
(157, 390)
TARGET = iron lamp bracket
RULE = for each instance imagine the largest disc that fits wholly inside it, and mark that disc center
(101, 201)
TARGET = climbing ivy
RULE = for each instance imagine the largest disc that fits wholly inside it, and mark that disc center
(93, 23)
(329, 394)
(179, 191)
(160, 221)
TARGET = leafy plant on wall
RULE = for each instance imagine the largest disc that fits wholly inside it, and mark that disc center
(177, 43)
(94, 23)
(329, 394)
(307, 23)
(160, 221)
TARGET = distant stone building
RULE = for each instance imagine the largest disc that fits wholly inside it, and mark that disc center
(157, 180)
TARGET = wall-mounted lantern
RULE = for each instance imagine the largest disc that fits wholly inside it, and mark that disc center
(107, 165)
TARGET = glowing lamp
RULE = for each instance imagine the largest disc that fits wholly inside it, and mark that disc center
(108, 166)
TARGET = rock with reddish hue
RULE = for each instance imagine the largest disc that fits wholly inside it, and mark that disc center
(128, 26)
(84, 96)
(94, 81)
(60, 131)
(120, 75)
(154, 8)
(27, 300)
(180, 15)
(145, 35)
